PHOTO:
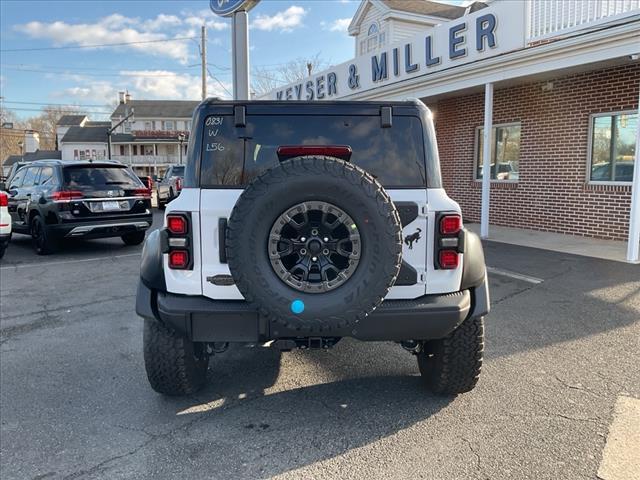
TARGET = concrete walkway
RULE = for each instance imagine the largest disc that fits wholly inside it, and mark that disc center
(589, 247)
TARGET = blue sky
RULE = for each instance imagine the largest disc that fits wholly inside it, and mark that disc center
(90, 77)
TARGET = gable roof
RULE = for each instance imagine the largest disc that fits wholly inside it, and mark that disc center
(431, 11)
(86, 135)
(32, 156)
(426, 7)
(70, 120)
(157, 108)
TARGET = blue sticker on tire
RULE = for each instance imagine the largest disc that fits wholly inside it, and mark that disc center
(297, 306)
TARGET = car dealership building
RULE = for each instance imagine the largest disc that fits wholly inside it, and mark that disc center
(556, 82)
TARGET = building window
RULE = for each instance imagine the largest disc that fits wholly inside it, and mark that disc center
(169, 125)
(127, 127)
(376, 39)
(505, 152)
(122, 150)
(75, 155)
(187, 125)
(612, 147)
(135, 150)
(148, 126)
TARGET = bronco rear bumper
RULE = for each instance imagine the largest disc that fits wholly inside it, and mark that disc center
(204, 320)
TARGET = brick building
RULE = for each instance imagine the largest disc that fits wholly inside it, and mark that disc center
(554, 122)
(556, 85)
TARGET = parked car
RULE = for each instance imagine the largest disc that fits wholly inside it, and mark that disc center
(170, 185)
(623, 173)
(52, 200)
(5, 223)
(147, 181)
(330, 220)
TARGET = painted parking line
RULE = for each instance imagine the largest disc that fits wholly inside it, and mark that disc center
(65, 262)
(620, 459)
(517, 276)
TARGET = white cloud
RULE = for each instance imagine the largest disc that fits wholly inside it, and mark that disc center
(95, 92)
(286, 20)
(169, 85)
(162, 21)
(117, 28)
(338, 25)
(112, 29)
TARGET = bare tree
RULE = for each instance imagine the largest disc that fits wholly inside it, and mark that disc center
(264, 80)
(45, 124)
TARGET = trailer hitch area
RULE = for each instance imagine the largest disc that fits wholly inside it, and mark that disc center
(310, 343)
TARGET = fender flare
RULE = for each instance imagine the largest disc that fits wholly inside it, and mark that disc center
(474, 274)
(151, 264)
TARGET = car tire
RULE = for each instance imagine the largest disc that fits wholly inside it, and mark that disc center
(135, 238)
(171, 197)
(329, 182)
(452, 365)
(41, 239)
(174, 364)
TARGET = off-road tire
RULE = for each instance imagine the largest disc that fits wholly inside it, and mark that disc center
(174, 364)
(41, 240)
(452, 365)
(135, 238)
(320, 179)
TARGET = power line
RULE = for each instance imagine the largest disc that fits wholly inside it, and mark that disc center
(99, 112)
(69, 47)
(123, 74)
(219, 82)
(57, 104)
(73, 67)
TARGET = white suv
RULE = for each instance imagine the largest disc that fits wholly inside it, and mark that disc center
(301, 223)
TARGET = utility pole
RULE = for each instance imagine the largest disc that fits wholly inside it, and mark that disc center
(203, 54)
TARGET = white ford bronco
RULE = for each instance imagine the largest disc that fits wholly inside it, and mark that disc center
(301, 223)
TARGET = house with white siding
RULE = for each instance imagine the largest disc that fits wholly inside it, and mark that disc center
(154, 135)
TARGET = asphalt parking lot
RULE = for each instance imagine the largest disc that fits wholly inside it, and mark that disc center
(562, 348)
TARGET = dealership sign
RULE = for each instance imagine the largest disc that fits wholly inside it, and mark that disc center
(226, 8)
(483, 34)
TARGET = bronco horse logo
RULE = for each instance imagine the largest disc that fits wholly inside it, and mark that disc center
(413, 238)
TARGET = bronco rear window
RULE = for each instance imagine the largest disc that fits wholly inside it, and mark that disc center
(232, 156)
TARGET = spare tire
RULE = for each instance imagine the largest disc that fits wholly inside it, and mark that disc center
(314, 244)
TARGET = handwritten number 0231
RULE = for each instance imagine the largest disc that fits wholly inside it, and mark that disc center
(214, 121)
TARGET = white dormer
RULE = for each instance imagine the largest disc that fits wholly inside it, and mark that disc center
(378, 23)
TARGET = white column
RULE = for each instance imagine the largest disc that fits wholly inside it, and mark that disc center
(240, 34)
(633, 245)
(486, 157)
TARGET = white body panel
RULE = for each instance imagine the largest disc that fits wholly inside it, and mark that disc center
(186, 282)
(5, 221)
(209, 205)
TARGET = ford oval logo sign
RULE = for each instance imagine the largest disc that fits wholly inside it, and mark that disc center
(226, 8)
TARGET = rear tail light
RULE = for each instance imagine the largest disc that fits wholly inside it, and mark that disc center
(178, 184)
(449, 241)
(177, 224)
(64, 195)
(178, 259)
(150, 182)
(4, 200)
(450, 224)
(448, 259)
(142, 192)
(179, 244)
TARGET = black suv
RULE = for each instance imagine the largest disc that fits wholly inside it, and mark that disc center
(53, 199)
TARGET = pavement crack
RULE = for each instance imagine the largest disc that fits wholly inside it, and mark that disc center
(473, 451)
(576, 386)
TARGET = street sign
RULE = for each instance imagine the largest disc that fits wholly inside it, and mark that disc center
(226, 8)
